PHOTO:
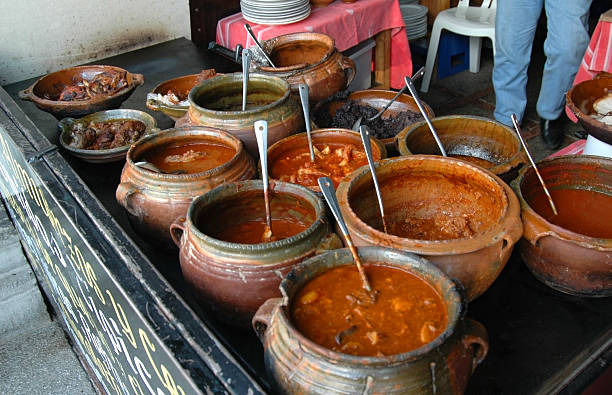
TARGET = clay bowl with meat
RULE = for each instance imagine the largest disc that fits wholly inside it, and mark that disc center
(459, 216)
(482, 141)
(171, 97)
(583, 98)
(338, 152)
(82, 90)
(105, 136)
(325, 335)
(343, 109)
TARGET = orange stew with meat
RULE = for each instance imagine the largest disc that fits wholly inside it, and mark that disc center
(188, 158)
(333, 310)
(335, 161)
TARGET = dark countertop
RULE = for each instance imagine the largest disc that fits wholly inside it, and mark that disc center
(541, 340)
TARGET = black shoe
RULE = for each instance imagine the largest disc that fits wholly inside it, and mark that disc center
(581, 134)
(551, 132)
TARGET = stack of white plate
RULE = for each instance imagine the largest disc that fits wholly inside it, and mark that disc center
(415, 18)
(275, 12)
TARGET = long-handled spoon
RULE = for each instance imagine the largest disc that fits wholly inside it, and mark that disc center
(261, 134)
(246, 63)
(303, 88)
(250, 31)
(365, 138)
(415, 96)
(357, 123)
(329, 193)
(518, 131)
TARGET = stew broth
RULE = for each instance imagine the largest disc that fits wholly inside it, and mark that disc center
(334, 311)
(189, 158)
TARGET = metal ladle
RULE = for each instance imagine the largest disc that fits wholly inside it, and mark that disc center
(303, 88)
(250, 31)
(261, 134)
(365, 138)
(246, 63)
(329, 193)
(518, 131)
(415, 96)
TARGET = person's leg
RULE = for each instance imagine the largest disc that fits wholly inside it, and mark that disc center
(515, 27)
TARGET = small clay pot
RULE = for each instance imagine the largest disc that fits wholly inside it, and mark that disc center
(321, 3)
(580, 100)
(297, 365)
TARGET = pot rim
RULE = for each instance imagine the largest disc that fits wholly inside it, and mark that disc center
(185, 132)
(237, 78)
(271, 43)
(256, 185)
(515, 160)
(456, 293)
(556, 230)
(490, 236)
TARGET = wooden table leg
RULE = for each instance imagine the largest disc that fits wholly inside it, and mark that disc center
(382, 60)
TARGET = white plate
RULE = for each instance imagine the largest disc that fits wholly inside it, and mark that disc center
(268, 21)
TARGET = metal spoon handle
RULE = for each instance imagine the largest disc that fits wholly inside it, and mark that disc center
(365, 138)
(329, 193)
(250, 31)
(303, 88)
(414, 94)
(246, 63)
(261, 134)
(518, 131)
(416, 75)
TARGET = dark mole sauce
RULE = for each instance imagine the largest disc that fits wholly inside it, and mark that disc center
(189, 158)
(242, 218)
(586, 212)
(335, 312)
(477, 161)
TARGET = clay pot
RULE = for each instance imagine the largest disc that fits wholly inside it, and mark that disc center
(321, 3)
(565, 260)
(217, 102)
(153, 200)
(234, 279)
(432, 194)
(580, 100)
(309, 58)
(298, 366)
(475, 139)
(321, 137)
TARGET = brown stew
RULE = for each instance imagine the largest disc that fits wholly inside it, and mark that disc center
(334, 311)
(189, 158)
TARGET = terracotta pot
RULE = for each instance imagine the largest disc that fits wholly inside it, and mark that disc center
(298, 366)
(234, 279)
(217, 102)
(470, 137)
(321, 3)
(309, 58)
(438, 193)
(153, 200)
(563, 259)
(580, 100)
(321, 137)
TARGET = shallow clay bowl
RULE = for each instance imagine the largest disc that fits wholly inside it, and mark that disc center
(103, 155)
(470, 136)
(580, 100)
(52, 85)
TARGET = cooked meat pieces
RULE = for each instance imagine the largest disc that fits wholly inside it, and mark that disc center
(105, 83)
(106, 135)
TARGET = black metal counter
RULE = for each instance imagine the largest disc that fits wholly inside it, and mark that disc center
(541, 341)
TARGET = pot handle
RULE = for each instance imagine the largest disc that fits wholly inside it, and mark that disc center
(477, 340)
(331, 241)
(138, 79)
(349, 68)
(26, 94)
(126, 191)
(177, 229)
(512, 236)
(533, 232)
(263, 317)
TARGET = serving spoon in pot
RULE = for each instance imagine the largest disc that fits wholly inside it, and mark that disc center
(261, 134)
(303, 88)
(252, 34)
(365, 139)
(246, 63)
(329, 193)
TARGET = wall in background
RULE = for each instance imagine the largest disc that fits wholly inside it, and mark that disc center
(41, 36)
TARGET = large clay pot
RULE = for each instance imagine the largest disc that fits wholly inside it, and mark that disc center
(563, 259)
(234, 279)
(217, 102)
(299, 366)
(475, 139)
(430, 189)
(153, 200)
(309, 58)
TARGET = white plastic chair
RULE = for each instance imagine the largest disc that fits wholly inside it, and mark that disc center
(475, 22)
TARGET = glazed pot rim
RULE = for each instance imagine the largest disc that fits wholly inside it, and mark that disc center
(271, 43)
(556, 230)
(500, 168)
(257, 185)
(456, 292)
(493, 234)
(237, 78)
(186, 132)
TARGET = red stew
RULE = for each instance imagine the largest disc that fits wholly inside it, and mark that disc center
(192, 157)
(334, 311)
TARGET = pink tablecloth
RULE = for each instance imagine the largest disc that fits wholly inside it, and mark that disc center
(348, 24)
